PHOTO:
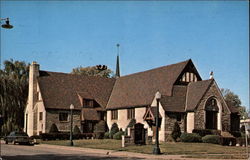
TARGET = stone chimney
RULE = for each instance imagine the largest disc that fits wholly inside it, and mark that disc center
(211, 75)
(33, 74)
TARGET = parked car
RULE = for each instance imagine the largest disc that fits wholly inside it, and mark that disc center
(18, 137)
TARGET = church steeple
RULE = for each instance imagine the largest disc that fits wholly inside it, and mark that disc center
(117, 73)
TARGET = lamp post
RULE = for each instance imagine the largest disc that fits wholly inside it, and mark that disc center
(71, 124)
(5, 26)
(156, 149)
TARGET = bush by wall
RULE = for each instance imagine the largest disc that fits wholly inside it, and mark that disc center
(114, 129)
(100, 129)
(215, 139)
(190, 137)
(118, 135)
(176, 131)
(236, 133)
(204, 132)
(53, 129)
(106, 135)
(76, 130)
(64, 136)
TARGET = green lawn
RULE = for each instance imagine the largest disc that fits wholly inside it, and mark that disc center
(195, 150)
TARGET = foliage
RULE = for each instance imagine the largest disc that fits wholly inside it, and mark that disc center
(100, 129)
(118, 135)
(131, 124)
(236, 133)
(114, 129)
(233, 100)
(215, 139)
(204, 132)
(242, 129)
(53, 129)
(176, 133)
(93, 71)
(76, 130)
(106, 135)
(190, 137)
(13, 94)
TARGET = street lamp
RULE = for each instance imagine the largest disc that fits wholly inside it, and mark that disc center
(71, 123)
(156, 149)
(6, 26)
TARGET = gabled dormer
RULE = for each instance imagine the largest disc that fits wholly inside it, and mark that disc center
(189, 74)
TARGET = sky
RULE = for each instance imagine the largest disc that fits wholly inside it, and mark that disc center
(61, 35)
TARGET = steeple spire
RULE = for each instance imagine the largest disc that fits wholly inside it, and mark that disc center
(117, 73)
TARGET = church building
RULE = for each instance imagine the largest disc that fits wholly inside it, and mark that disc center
(185, 98)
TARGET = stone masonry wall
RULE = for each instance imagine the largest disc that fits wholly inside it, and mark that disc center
(52, 116)
(200, 112)
(170, 119)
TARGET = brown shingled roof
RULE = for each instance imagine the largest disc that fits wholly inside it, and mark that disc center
(195, 92)
(176, 102)
(59, 90)
(139, 89)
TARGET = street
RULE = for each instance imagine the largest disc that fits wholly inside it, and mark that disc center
(48, 152)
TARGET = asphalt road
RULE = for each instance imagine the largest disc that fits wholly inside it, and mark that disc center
(47, 152)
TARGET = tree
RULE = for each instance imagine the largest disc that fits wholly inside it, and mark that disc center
(234, 100)
(13, 94)
(93, 71)
(176, 133)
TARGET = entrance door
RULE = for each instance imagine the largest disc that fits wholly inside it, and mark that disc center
(139, 133)
(211, 120)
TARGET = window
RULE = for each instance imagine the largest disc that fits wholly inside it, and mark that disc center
(114, 114)
(40, 116)
(88, 103)
(63, 116)
(131, 113)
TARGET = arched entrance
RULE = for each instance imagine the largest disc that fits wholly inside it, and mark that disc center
(212, 110)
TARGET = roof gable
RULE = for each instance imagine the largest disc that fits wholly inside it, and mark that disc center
(195, 92)
(139, 89)
(59, 90)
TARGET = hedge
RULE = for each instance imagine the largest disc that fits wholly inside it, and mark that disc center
(106, 135)
(190, 137)
(118, 135)
(204, 132)
(64, 136)
(114, 129)
(215, 139)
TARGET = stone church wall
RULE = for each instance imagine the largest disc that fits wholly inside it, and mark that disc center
(200, 112)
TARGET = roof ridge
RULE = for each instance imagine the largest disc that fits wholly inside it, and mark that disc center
(76, 75)
(186, 61)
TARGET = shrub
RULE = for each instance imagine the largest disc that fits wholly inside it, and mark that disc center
(242, 129)
(76, 130)
(236, 133)
(106, 135)
(114, 129)
(204, 132)
(131, 124)
(53, 129)
(190, 137)
(100, 129)
(176, 131)
(118, 135)
(215, 139)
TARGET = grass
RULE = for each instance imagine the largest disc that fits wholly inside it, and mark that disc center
(189, 150)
